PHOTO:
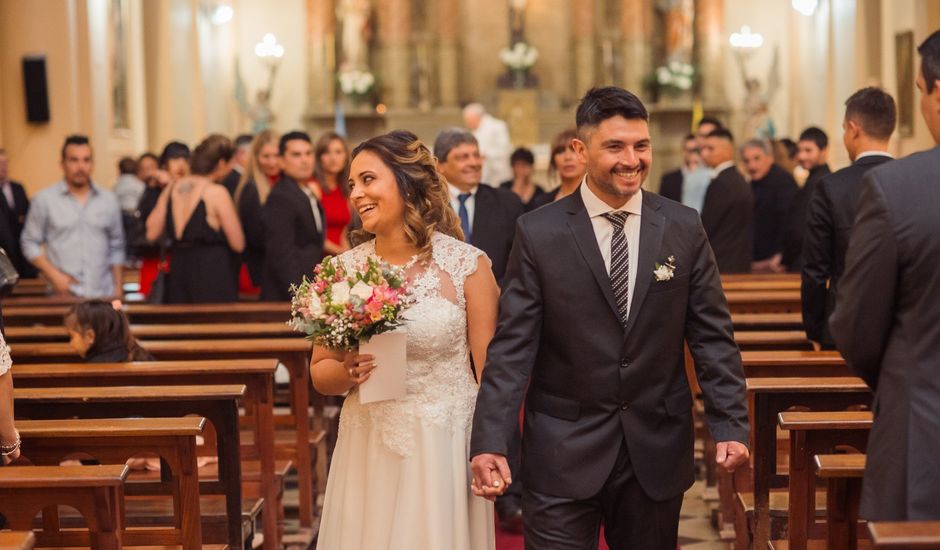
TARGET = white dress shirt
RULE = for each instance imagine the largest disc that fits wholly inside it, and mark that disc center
(470, 205)
(604, 230)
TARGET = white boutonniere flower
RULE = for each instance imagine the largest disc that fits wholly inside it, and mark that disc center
(665, 271)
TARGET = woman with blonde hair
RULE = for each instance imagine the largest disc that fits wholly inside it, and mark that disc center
(262, 173)
(331, 172)
(402, 459)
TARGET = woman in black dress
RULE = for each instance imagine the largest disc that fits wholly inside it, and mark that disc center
(263, 171)
(200, 221)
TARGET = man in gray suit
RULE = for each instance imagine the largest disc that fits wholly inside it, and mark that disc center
(603, 288)
(887, 319)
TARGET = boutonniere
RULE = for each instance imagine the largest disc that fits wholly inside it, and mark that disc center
(665, 271)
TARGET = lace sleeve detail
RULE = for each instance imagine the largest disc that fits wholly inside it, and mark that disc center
(6, 362)
(458, 259)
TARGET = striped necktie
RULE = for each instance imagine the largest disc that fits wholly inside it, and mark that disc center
(619, 262)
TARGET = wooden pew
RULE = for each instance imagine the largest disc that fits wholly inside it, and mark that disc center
(813, 433)
(766, 321)
(218, 404)
(17, 540)
(181, 331)
(760, 286)
(768, 398)
(772, 340)
(905, 535)
(768, 364)
(95, 491)
(843, 494)
(255, 312)
(255, 374)
(751, 277)
(114, 441)
(293, 352)
(765, 301)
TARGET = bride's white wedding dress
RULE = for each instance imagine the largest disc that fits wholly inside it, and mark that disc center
(400, 478)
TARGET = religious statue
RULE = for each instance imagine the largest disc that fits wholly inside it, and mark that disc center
(260, 113)
(677, 28)
(757, 119)
(516, 21)
(354, 42)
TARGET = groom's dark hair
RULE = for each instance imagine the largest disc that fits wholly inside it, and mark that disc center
(599, 104)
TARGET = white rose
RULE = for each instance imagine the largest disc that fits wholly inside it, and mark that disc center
(314, 304)
(340, 292)
(361, 290)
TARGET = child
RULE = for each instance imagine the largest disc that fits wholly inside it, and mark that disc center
(99, 332)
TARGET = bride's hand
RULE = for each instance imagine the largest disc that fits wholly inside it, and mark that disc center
(358, 367)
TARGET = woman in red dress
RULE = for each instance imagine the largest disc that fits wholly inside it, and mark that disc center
(331, 171)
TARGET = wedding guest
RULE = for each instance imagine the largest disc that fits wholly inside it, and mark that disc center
(99, 333)
(812, 152)
(403, 459)
(728, 209)
(73, 232)
(331, 172)
(294, 221)
(239, 163)
(128, 188)
(263, 171)
(13, 208)
(774, 190)
(522, 162)
(688, 183)
(201, 225)
(172, 165)
(869, 121)
(887, 318)
(487, 215)
(568, 166)
(495, 145)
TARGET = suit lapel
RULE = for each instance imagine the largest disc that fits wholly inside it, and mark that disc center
(583, 231)
(652, 226)
(481, 208)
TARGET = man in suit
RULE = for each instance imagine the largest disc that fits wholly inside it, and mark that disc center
(604, 287)
(887, 319)
(293, 221)
(688, 183)
(773, 189)
(488, 218)
(14, 204)
(487, 215)
(239, 163)
(870, 118)
(728, 211)
(811, 153)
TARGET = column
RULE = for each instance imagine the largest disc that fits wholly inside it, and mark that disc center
(709, 47)
(636, 21)
(321, 55)
(447, 28)
(584, 51)
(394, 29)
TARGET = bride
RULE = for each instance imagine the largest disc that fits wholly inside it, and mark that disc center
(400, 476)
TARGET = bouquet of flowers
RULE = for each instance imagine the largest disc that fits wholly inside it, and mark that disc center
(521, 57)
(673, 78)
(338, 309)
(356, 83)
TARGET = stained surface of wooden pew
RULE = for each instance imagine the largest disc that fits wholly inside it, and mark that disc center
(17, 540)
(905, 535)
(766, 301)
(95, 491)
(181, 331)
(776, 340)
(766, 321)
(163, 313)
(784, 363)
(844, 476)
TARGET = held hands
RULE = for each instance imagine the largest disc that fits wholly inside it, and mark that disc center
(491, 476)
(731, 454)
(358, 367)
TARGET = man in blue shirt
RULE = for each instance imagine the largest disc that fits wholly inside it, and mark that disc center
(73, 232)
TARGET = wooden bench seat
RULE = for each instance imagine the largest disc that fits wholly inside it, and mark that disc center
(789, 363)
(139, 313)
(175, 331)
(764, 301)
(905, 535)
(844, 476)
(814, 545)
(17, 540)
(766, 321)
(772, 340)
(217, 403)
(96, 492)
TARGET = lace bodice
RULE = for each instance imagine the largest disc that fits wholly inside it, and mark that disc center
(440, 385)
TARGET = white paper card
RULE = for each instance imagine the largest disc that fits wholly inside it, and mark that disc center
(388, 378)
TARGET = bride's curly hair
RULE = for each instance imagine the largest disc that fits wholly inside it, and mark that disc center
(423, 189)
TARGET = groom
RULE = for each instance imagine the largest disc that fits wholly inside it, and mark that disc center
(602, 288)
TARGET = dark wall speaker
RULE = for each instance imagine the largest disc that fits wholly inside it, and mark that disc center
(35, 86)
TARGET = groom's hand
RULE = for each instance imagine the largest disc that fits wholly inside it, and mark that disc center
(491, 476)
(731, 454)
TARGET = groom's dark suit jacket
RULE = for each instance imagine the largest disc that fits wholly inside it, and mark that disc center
(594, 382)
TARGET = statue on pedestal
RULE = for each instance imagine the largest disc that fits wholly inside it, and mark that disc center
(757, 119)
(354, 16)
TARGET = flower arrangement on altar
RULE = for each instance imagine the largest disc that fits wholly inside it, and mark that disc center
(520, 57)
(356, 84)
(338, 309)
(674, 78)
